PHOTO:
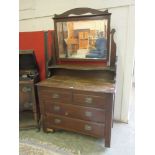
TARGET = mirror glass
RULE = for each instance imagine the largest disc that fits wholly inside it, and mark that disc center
(86, 39)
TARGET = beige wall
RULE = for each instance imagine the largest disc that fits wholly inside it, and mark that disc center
(36, 15)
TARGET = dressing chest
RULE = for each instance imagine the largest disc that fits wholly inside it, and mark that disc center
(79, 94)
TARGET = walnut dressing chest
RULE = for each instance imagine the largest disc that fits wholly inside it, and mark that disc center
(80, 98)
(82, 104)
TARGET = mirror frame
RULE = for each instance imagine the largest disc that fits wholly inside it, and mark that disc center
(79, 14)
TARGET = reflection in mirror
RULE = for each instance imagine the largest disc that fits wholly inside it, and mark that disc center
(82, 39)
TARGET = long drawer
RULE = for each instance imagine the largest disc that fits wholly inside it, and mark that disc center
(90, 100)
(55, 95)
(73, 111)
(89, 128)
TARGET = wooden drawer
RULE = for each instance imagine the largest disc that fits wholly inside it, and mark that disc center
(79, 112)
(55, 95)
(91, 101)
(89, 128)
(26, 97)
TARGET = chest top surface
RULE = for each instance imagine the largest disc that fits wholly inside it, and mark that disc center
(79, 83)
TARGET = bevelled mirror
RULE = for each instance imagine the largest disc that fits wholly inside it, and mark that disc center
(82, 36)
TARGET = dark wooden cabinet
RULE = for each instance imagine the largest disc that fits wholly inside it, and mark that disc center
(80, 98)
(29, 114)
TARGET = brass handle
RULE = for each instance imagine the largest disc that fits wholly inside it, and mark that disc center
(56, 108)
(88, 113)
(66, 113)
(27, 104)
(55, 96)
(87, 127)
(57, 120)
(88, 100)
(26, 89)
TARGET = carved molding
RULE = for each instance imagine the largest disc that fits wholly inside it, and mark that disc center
(81, 11)
(113, 49)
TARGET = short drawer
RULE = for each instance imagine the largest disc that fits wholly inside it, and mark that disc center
(89, 128)
(91, 101)
(79, 112)
(55, 95)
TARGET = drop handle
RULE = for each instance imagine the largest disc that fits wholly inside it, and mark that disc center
(88, 100)
(28, 104)
(55, 96)
(66, 113)
(26, 89)
(57, 121)
(88, 114)
(56, 108)
(88, 127)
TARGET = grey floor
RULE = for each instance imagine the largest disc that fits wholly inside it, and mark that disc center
(122, 139)
(123, 135)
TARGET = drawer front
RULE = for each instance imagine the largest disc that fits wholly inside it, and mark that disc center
(91, 101)
(56, 95)
(79, 112)
(89, 128)
(25, 97)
